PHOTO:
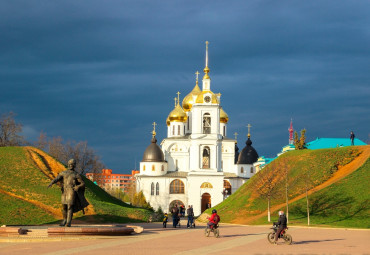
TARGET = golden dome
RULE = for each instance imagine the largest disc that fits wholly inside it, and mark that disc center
(188, 101)
(168, 121)
(200, 97)
(177, 114)
(224, 118)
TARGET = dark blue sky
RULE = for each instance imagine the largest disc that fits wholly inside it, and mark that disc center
(103, 71)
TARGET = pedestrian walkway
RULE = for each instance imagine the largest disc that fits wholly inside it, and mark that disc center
(234, 239)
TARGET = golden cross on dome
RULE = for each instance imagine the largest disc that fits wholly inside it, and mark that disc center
(207, 53)
(175, 101)
(249, 130)
(178, 97)
(197, 73)
(154, 124)
(236, 136)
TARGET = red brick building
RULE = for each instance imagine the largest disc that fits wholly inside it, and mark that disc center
(109, 181)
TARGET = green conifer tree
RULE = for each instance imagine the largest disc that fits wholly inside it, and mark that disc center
(296, 140)
(300, 142)
(302, 139)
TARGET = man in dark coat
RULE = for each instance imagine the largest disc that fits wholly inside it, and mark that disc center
(73, 189)
(175, 216)
(190, 213)
(282, 224)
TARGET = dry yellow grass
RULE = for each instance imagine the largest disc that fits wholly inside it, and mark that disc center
(51, 168)
(55, 212)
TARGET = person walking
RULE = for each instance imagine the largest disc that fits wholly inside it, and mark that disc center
(190, 214)
(175, 215)
(352, 137)
(165, 220)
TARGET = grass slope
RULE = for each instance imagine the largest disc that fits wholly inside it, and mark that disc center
(25, 173)
(344, 203)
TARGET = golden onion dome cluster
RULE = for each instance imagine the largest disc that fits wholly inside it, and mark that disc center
(188, 101)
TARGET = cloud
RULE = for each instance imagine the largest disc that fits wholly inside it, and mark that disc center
(103, 72)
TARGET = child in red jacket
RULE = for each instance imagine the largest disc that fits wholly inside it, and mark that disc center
(213, 220)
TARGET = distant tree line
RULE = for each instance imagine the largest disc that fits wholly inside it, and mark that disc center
(87, 159)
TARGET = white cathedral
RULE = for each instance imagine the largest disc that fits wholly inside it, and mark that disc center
(197, 164)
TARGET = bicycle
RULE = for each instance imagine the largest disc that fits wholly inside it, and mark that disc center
(287, 237)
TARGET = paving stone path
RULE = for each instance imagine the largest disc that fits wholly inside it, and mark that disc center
(234, 239)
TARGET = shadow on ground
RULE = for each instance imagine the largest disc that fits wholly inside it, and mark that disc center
(316, 241)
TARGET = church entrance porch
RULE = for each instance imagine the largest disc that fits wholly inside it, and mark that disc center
(206, 202)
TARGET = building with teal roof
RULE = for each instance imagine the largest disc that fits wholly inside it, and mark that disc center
(326, 143)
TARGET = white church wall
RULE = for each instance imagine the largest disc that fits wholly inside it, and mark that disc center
(223, 129)
(195, 191)
(246, 170)
(177, 155)
(153, 168)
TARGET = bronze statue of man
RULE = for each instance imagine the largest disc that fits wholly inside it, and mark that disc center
(73, 189)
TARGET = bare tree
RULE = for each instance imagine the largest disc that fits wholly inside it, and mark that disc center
(57, 149)
(265, 185)
(86, 158)
(283, 166)
(308, 184)
(42, 141)
(10, 130)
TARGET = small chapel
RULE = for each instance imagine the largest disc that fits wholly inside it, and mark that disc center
(197, 164)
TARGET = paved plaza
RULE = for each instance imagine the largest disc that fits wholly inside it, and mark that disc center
(234, 239)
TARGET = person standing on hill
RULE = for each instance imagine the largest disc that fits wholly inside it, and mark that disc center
(352, 137)
(73, 189)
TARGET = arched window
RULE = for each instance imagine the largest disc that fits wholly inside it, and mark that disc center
(152, 189)
(206, 123)
(242, 170)
(177, 165)
(162, 167)
(227, 188)
(173, 130)
(206, 185)
(153, 167)
(251, 170)
(177, 187)
(224, 130)
(178, 130)
(157, 189)
(205, 158)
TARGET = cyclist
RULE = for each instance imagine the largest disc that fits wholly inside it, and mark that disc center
(282, 224)
(213, 220)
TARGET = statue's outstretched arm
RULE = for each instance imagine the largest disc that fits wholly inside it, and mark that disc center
(59, 178)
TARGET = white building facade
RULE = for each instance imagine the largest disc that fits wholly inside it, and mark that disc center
(197, 164)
